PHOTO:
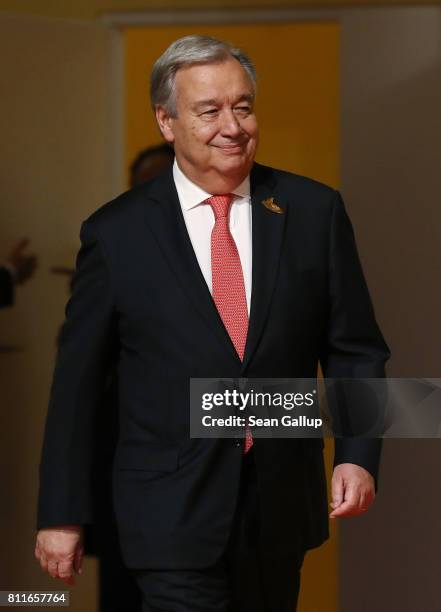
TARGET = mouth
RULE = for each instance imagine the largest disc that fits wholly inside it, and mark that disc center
(232, 149)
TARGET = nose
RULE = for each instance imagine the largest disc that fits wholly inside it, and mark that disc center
(230, 124)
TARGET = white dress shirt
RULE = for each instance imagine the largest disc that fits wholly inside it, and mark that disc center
(199, 219)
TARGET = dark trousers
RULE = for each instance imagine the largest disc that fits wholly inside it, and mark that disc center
(117, 589)
(245, 579)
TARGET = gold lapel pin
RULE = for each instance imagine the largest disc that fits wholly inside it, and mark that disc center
(272, 206)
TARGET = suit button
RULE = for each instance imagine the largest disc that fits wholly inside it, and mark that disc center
(238, 442)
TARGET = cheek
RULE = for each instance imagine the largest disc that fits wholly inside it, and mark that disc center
(253, 130)
(206, 133)
(191, 135)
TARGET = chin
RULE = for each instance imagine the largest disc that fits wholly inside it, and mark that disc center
(236, 165)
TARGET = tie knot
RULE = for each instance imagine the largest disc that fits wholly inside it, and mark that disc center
(220, 204)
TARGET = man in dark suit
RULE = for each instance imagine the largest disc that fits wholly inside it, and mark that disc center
(221, 267)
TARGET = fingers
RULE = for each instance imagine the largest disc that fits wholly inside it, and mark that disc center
(353, 491)
(20, 246)
(43, 563)
(59, 551)
(65, 572)
(52, 568)
(337, 491)
(41, 557)
(23, 265)
(57, 569)
(356, 501)
(349, 505)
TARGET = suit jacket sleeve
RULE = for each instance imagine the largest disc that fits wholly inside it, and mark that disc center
(85, 344)
(355, 346)
(6, 288)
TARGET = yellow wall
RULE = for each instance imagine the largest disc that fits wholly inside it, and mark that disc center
(88, 9)
(298, 111)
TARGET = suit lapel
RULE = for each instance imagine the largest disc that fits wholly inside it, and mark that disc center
(267, 236)
(166, 222)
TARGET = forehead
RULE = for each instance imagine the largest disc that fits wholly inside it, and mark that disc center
(213, 80)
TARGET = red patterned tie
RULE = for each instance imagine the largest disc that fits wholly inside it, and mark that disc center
(228, 284)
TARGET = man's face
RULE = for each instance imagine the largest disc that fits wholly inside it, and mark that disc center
(215, 132)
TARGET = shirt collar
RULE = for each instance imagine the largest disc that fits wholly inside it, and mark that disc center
(191, 194)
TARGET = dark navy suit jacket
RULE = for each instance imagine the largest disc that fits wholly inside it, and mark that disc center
(139, 299)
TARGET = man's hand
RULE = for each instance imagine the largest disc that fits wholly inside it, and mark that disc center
(23, 265)
(60, 551)
(353, 490)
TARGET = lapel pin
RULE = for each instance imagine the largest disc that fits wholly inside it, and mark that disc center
(272, 206)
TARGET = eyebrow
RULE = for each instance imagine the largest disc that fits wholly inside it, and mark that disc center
(213, 102)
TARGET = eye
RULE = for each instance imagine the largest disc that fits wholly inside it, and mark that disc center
(244, 109)
(209, 112)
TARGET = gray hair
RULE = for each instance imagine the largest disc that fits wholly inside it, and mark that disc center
(188, 51)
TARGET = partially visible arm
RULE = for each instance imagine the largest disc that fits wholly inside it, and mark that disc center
(355, 349)
(85, 346)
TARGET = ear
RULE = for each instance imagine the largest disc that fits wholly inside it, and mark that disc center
(165, 123)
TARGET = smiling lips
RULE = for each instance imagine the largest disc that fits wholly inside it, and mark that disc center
(234, 148)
